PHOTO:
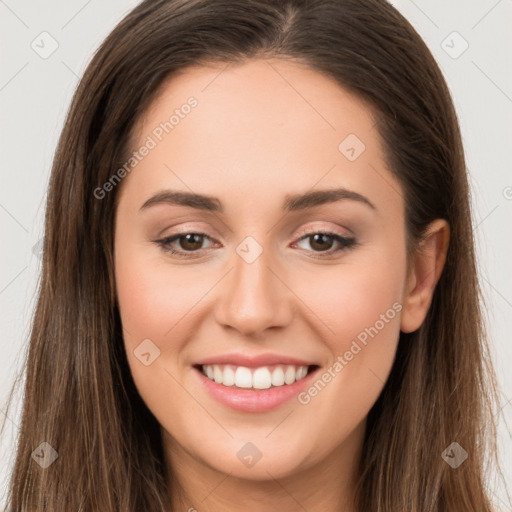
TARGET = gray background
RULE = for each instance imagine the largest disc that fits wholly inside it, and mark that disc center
(36, 88)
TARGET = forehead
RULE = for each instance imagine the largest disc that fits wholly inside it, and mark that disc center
(263, 128)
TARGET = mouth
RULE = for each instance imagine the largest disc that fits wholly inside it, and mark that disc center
(260, 378)
(254, 388)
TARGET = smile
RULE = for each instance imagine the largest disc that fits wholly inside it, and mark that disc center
(254, 384)
(263, 377)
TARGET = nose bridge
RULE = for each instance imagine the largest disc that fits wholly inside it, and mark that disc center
(253, 299)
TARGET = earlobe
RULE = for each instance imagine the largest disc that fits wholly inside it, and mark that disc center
(425, 271)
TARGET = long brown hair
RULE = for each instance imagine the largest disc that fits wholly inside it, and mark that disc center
(79, 395)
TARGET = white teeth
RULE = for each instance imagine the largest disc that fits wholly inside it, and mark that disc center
(243, 377)
(229, 376)
(289, 375)
(301, 372)
(256, 378)
(278, 377)
(261, 379)
(217, 374)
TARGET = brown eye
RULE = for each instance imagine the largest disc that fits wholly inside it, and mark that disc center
(191, 241)
(183, 244)
(325, 243)
(321, 241)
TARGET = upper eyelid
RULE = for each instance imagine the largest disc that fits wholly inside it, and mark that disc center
(301, 234)
(326, 230)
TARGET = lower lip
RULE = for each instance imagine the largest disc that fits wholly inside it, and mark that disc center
(254, 400)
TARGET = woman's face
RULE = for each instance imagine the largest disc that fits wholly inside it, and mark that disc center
(292, 258)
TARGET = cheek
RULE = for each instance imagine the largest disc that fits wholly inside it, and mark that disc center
(156, 305)
(160, 303)
(152, 300)
(361, 306)
(149, 307)
(347, 299)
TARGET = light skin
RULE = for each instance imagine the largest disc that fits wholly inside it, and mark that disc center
(262, 131)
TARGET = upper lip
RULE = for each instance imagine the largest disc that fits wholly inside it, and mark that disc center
(253, 361)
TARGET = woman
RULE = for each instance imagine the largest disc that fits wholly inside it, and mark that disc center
(259, 284)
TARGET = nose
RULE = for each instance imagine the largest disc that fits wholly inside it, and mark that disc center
(254, 297)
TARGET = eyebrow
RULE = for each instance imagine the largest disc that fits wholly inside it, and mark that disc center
(292, 203)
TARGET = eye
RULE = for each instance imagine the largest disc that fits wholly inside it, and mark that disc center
(323, 242)
(187, 242)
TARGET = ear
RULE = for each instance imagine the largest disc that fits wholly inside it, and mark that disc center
(425, 270)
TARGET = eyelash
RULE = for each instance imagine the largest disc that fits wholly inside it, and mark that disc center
(345, 242)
